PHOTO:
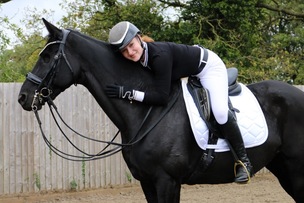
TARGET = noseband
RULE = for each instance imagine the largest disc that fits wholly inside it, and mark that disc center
(44, 91)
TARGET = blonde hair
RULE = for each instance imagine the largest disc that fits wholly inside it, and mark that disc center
(146, 38)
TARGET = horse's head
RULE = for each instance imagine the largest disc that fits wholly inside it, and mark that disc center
(53, 72)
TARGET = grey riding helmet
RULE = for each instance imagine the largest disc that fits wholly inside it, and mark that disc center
(122, 33)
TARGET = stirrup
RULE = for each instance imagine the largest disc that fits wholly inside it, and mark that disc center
(240, 163)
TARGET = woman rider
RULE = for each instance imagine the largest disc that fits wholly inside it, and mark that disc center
(169, 62)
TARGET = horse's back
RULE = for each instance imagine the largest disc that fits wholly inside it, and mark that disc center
(281, 100)
(276, 88)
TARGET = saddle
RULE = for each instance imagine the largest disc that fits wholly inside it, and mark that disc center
(201, 95)
(202, 101)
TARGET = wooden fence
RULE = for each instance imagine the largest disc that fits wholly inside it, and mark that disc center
(28, 165)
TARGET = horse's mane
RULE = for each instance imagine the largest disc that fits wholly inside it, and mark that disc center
(129, 69)
(95, 40)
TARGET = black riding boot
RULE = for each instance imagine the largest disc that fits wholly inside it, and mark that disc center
(232, 133)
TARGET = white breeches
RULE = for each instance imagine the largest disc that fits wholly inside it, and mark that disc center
(214, 78)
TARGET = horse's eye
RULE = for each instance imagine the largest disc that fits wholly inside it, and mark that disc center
(45, 57)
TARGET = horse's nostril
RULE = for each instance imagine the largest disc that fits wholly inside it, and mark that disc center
(22, 98)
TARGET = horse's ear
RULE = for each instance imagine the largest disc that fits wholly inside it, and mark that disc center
(53, 30)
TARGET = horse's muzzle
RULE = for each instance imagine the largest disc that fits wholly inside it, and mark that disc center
(27, 103)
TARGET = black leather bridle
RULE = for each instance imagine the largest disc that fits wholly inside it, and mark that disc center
(43, 93)
(44, 85)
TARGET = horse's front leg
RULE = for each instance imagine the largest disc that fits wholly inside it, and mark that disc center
(149, 190)
(168, 189)
(162, 190)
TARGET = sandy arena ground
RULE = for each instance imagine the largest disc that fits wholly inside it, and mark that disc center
(262, 188)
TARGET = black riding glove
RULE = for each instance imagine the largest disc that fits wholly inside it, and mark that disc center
(121, 92)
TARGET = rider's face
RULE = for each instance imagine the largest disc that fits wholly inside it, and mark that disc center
(133, 51)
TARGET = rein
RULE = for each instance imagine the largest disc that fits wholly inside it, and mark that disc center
(43, 93)
(102, 154)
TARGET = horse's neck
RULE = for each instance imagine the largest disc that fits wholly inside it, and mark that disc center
(106, 67)
(97, 90)
(106, 70)
(122, 113)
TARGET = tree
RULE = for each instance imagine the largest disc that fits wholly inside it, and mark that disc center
(263, 38)
(283, 43)
(4, 1)
(95, 17)
(16, 63)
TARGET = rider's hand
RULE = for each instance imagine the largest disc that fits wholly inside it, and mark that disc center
(121, 92)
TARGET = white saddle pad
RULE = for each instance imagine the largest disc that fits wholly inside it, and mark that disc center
(251, 120)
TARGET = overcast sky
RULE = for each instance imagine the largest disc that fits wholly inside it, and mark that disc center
(15, 10)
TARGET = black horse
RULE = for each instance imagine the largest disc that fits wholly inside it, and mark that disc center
(169, 155)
